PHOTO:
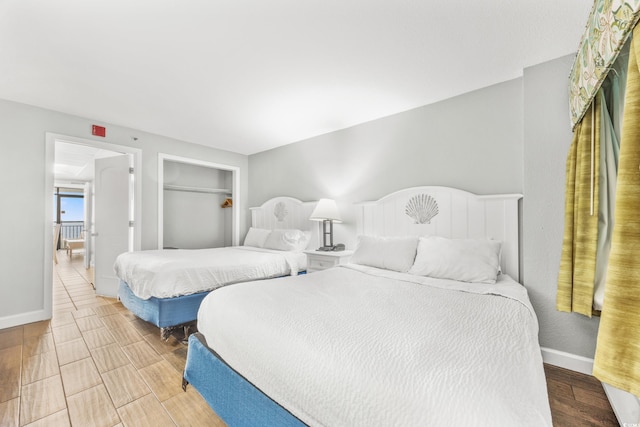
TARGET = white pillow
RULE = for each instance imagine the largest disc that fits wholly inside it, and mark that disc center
(256, 237)
(465, 260)
(390, 253)
(288, 240)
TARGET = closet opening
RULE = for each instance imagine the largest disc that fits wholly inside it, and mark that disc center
(197, 203)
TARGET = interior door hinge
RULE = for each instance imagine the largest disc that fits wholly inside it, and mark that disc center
(131, 171)
(132, 223)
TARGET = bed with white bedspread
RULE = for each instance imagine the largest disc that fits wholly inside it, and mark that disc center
(165, 287)
(422, 329)
(172, 273)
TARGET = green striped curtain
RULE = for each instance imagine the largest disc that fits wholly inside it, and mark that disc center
(579, 244)
(617, 359)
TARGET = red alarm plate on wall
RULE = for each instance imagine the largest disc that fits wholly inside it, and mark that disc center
(98, 130)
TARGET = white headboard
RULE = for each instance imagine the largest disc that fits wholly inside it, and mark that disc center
(446, 212)
(286, 212)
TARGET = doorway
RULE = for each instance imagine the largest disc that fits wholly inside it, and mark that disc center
(103, 150)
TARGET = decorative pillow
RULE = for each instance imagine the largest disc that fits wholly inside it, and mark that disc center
(256, 237)
(288, 240)
(465, 260)
(391, 253)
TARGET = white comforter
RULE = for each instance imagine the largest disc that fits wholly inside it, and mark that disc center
(175, 272)
(359, 346)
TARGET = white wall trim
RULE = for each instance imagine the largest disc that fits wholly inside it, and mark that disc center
(235, 171)
(625, 405)
(24, 318)
(50, 140)
(569, 361)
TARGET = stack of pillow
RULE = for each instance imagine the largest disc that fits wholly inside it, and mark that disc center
(465, 260)
(281, 239)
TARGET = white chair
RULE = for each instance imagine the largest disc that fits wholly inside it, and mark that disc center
(71, 244)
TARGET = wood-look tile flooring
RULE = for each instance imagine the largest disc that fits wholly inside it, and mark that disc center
(95, 364)
(577, 400)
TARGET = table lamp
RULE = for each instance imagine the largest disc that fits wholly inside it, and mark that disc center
(327, 211)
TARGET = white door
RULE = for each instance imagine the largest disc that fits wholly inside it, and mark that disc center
(111, 228)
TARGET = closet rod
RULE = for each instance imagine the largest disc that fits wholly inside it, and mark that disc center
(197, 189)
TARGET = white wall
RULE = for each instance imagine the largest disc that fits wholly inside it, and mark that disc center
(508, 138)
(22, 175)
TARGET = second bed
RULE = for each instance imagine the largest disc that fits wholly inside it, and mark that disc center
(165, 287)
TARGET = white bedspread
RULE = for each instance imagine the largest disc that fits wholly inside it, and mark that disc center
(175, 272)
(359, 346)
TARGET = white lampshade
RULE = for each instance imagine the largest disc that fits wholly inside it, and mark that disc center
(326, 209)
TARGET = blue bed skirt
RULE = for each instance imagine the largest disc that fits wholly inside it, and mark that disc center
(162, 312)
(234, 399)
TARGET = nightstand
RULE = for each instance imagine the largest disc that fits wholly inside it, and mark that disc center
(321, 260)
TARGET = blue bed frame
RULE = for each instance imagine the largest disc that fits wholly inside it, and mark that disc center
(234, 399)
(165, 313)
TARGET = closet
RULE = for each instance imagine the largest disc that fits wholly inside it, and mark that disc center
(197, 204)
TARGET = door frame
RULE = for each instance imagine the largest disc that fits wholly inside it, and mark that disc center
(50, 141)
(235, 191)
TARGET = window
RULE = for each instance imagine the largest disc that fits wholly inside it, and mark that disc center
(68, 210)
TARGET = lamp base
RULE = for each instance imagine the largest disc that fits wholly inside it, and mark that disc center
(327, 240)
(336, 248)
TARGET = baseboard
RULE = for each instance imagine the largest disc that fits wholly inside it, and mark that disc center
(625, 405)
(24, 318)
(569, 361)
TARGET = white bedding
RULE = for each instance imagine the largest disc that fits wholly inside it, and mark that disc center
(176, 272)
(360, 346)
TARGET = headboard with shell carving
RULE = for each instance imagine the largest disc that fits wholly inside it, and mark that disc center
(286, 213)
(446, 212)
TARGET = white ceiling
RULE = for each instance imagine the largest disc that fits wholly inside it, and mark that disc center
(74, 163)
(250, 75)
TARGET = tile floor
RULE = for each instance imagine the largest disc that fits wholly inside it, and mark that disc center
(93, 364)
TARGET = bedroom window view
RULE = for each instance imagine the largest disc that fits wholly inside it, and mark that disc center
(68, 209)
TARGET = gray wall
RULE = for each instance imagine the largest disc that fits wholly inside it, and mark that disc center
(473, 142)
(546, 145)
(22, 175)
(512, 137)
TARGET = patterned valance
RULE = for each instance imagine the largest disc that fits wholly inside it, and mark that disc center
(609, 26)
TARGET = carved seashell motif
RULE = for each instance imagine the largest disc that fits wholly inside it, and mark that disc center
(422, 208)
(280, 211)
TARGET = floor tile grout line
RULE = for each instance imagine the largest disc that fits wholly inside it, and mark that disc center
(66, 401)
(75, 320)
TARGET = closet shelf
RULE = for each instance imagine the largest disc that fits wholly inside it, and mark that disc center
(197, 189)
